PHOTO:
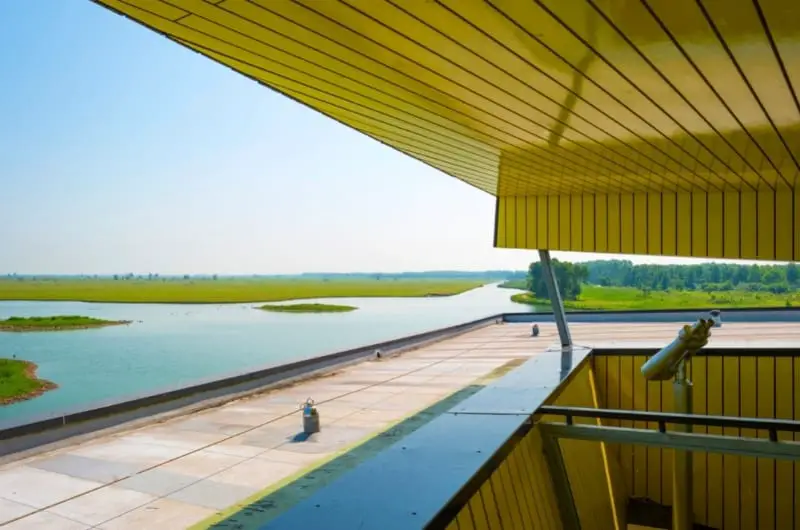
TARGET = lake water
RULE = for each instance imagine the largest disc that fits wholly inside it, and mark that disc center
(170, 345)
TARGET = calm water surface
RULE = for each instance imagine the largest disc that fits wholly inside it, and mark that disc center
(170, 345)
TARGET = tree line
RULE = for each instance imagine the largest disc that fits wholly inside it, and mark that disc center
(703, 276)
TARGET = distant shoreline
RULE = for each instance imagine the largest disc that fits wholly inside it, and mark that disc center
(307, 308)
(224, 291)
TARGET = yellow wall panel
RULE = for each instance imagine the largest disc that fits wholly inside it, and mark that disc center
(766, 224)
(731, 225)
(784, 226)
(654, 215)
(500, 224)
(731, 230)
(543, 221)
(521, 222)
(532, 217)
(796, 224)
(699, 225)
(684, 224)
(601, 222)
(640, 223)
(614, 231)
(730, 492)
(553, 221)
(588, 228)
(564, 222)
(511, 221)
(748, 229)
(626, 223)
(716, 238)
(576, 223)
(669, 224)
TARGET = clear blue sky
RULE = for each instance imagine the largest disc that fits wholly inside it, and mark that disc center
(121, 151)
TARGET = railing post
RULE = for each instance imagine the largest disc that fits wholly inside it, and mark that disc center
(558, 312)
(682, 510)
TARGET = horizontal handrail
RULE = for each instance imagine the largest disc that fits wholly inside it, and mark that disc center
(663, 418)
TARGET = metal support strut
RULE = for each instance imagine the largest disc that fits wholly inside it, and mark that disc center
(682, 512)
(558, 312)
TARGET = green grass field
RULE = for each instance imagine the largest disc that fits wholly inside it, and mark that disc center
(54, 323)
(223, 290)
(18, 381)
(628, 298)
(308, 308)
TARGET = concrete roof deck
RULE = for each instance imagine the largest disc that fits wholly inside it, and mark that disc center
(179, 472)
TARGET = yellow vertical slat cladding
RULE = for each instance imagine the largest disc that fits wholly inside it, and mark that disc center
(478, 512)
(626, 223)
(715, 482)
(784, 225)
(766, 224)
(511, 221)
(626, 369)
(748, 211)
(588, 228)
(699, 224)
(640, 471)
(654, 471)
(515, 472)
(553, 221)
(796, 403)
(490, 504)
(613, 230)
(699, 367)
(730, 407)
(667, 405)
(684, 213)
(453, 525)
(748, 476)
(464, 519)
(731, 229)
(796, 223)
(564, 222)
(543, 220)
(500, 224)
(669, 226)
(640, 219)
(521, 226)
(509, 492)
(601, 222)
(654, 243)
(613, 386)
(576, 223)
(765, 399)
(784, 470)
(531, 228)
(716, 236)
(501, 500)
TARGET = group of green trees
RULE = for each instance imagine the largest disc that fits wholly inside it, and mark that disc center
(706, 276)
(570, 277)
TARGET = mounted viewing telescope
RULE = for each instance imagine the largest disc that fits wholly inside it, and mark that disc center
(670, 363)
(666, 363)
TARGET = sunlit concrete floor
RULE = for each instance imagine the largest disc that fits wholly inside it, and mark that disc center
(180, 472)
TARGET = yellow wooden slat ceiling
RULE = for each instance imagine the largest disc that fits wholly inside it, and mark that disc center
(629, 106)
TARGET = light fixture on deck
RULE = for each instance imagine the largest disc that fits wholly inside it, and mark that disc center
(310, 417)
(671, 363)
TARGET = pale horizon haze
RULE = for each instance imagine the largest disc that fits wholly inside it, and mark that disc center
(121, 151)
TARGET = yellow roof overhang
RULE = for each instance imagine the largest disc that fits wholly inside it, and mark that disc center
(635, 126)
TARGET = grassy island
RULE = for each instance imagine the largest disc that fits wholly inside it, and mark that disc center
(224, 290)
(56, 323)
(18, 381)
(308, 308)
